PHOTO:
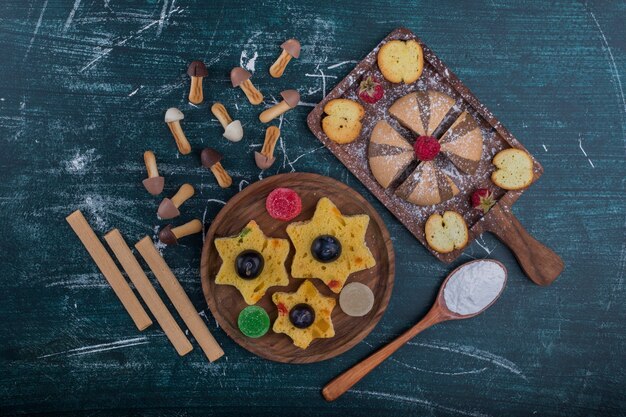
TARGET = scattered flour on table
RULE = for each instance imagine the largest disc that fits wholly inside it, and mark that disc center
(80, 162)
(160, 246)
(474, 287)
(249, 63)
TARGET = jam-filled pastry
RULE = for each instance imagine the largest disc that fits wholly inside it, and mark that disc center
(252, 262)
(330, 246)
(304, 315)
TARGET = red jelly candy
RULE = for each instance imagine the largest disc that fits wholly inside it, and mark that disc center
(283, 204)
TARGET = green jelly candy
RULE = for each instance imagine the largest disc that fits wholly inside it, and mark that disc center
(253, 321)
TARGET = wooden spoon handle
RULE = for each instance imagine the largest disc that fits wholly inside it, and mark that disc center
(342, 383)
(539, 262)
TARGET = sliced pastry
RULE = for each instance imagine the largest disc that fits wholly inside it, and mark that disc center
(304, 315)
(252, 262)
(422, 111)
(388, 153)
(330, 246)
(427, 185)
(463, 143)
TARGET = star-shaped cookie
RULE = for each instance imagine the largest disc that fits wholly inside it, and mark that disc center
(349, 231)
(322, 326)
(273, 251)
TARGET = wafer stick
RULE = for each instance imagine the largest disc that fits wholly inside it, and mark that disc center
(108, 268)
(179, 298)
(128, 261)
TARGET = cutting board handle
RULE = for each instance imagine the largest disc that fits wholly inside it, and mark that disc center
(539, 262)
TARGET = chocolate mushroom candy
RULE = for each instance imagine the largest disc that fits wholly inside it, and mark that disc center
(170, 236)
(291, 98)
(265, 158)
(291, 49)
(169, 207)
(211, 159)
(173, 116)
(154, 183)
(197, 71)
(239, 77)
(233, 131)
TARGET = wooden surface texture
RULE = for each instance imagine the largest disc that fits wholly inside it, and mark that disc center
(226, 301)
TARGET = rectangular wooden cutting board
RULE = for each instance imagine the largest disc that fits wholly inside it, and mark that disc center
(436, 75)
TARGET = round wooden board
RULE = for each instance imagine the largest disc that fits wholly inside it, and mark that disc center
(226, 302)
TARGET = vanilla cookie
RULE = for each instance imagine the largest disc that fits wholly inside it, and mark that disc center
(342, 123)
(514, 169)
(401, 61)
(446, 233)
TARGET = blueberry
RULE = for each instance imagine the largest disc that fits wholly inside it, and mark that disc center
(249, 264)
(302, 315)
(326, 248)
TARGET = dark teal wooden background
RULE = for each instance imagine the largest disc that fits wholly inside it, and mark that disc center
(83, 89)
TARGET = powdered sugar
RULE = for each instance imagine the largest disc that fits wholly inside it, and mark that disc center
(474, 286)
(355, 156)
(81, 161)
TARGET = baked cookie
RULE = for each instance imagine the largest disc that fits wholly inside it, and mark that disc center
(342, 123)
(446, 233)
(330, 246)
(388, 153)
(401, 61)
(304, 315)
(463, 143)
(427, 185)
(252, 262)
(514, 169)
(422, 111)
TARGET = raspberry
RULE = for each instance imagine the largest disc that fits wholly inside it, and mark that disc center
(283, 204)
(426, 148)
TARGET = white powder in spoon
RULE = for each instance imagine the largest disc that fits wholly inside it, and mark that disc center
(473, 287)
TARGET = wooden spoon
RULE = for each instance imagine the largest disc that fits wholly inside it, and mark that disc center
(438, 313)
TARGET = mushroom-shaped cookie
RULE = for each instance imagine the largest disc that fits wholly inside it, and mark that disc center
(168, 209)
(252, 262)
(265, 158)
(291, 49)
(291, 98)
(154, 183)
(170, 235)
(173, 116)
(197, 71)
(304, 315)
(211, 159)
(239, 77)
(233, 131)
